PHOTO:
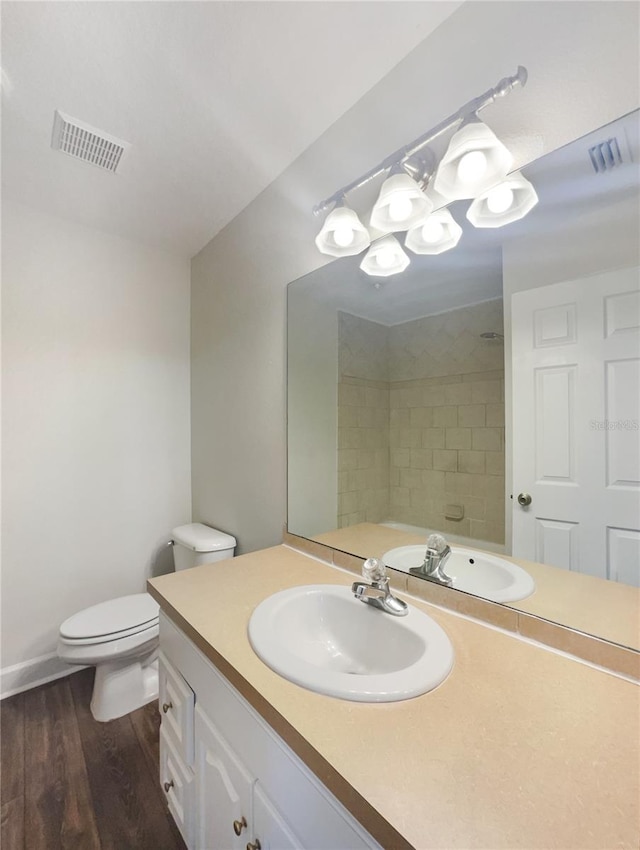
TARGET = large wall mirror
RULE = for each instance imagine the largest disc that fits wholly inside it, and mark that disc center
(489, 393)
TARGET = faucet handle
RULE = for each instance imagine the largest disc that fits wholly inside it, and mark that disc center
(374, 569)
(437, 543)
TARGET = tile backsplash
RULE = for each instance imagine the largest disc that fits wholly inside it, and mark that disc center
(421, 422)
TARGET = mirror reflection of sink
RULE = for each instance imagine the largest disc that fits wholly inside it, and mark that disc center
(323, 638)
(472, 571)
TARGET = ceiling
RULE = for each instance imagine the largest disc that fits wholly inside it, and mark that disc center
(216, 99)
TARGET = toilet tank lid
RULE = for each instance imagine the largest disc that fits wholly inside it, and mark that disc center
(202, 538)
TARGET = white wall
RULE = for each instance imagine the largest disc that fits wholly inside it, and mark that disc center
(95, 425)
(312, 414)
(576, 54)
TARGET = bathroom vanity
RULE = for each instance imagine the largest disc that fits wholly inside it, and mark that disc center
(520, 747)
(230, 781)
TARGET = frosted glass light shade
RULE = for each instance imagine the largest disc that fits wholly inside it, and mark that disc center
(401, 204)
(342, 234)
(438, 233)
(490, 209)
(385, 258)
(475, 160)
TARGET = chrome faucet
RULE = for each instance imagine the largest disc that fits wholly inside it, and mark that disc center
(377, 593)
(436, 556)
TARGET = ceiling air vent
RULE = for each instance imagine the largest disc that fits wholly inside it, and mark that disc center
(606, 155)
(81, 141)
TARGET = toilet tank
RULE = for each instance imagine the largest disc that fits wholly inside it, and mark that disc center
(196, 544)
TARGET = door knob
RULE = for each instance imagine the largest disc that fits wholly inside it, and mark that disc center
(239, 825)
(168, 786)
(166, 706)
(255, 845)
(524, 499)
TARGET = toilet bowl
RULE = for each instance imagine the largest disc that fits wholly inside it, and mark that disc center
(120, 636)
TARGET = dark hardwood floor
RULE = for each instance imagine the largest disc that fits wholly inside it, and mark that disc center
(71, 782)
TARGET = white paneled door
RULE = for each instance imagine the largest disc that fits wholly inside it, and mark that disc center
(576, 433)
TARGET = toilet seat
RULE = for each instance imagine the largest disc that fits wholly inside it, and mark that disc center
(82, 652)
(136, 630)
(111, 621)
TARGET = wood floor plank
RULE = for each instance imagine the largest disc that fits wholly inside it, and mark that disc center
(146, 722)
(58, 805)
(12, 825)
(12, 749)
(128, 808)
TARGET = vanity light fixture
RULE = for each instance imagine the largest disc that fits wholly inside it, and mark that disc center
(401, 204)
(385, 258)
(438, 233)
(509, 201)
(475, 165)
(475, 161)
(342, 234)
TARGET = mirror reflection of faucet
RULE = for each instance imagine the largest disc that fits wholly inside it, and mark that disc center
(436, 556)
(377, 593)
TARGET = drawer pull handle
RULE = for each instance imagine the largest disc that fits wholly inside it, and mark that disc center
(239, 825)
(168, 786)
(166, 706)
(254, 846)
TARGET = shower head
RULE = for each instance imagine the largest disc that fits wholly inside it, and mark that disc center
(491, 335)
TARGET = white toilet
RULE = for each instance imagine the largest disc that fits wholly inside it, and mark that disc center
(121, 636)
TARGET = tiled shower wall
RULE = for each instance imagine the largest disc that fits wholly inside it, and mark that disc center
(363, 421)
(447, 422)
(447, 453)
(442, 387)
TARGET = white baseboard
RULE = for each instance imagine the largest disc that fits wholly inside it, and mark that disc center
(29, 674)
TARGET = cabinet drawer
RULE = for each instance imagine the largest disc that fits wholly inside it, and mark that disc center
(176, 709)
(178, 784)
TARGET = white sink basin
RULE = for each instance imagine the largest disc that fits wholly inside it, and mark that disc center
(323, 638)
(472, 571)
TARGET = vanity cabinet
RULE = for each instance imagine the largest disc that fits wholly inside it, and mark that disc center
(231, 782)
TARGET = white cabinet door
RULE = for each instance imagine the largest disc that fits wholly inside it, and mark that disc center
(576, 437)
(269, 827)
(223, 790)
